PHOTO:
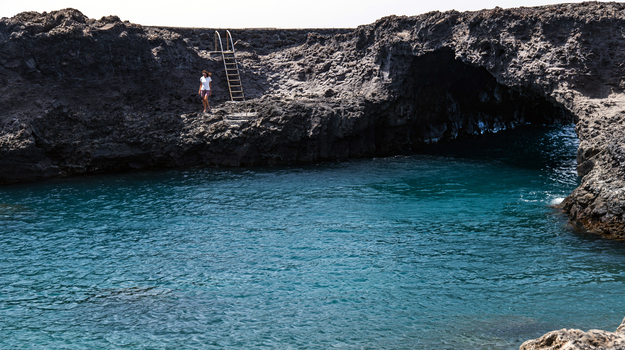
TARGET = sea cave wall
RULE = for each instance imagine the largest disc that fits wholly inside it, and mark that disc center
(80, 95)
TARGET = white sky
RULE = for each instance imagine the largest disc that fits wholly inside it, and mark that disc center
(257, 13)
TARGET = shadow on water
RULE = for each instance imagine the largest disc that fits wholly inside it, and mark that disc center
(528, 146)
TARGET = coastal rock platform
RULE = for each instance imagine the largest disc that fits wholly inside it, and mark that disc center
(575, 339)
(80, 95)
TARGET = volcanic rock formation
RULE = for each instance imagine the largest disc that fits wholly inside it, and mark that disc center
(575, 339)
(79, 95)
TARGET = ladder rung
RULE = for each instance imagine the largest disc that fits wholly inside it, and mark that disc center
(232, 74)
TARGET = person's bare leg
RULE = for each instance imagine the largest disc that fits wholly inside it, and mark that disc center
(205, 103)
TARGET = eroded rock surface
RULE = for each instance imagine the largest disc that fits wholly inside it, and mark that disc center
(80, 95)
(575, 339)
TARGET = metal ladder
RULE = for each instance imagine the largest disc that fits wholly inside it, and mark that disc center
(231, 66)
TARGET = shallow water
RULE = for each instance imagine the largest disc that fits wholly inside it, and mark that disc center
(456, 248)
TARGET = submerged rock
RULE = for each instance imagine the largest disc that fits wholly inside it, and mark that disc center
(575, 339)
(80, 95)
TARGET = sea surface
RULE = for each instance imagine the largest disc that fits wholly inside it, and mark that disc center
(458, 247)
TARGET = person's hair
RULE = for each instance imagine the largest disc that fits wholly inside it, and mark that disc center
(205, 71)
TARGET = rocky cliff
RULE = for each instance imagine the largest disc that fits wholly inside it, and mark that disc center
(79, 95)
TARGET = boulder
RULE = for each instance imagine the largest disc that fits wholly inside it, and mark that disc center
(575, 339)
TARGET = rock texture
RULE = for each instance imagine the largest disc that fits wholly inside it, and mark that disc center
(575, 339)
(79, 95)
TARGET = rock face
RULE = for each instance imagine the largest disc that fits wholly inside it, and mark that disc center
(79, 95)
(575, 339)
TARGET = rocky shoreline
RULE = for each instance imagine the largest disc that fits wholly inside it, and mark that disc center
(573, 339)
(80, 95)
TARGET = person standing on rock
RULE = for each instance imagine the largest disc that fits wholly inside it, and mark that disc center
(205, 88)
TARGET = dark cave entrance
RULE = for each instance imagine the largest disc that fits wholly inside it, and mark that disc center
(439, 98)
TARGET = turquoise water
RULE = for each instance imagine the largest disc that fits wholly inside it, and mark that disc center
(457, 248)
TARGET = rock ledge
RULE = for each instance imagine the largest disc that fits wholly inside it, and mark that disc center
(79, 95)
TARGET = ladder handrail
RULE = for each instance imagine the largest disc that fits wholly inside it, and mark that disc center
(218, 37)
(229, 44)
(229, 36)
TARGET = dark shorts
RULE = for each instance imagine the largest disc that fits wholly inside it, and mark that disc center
(206, 93)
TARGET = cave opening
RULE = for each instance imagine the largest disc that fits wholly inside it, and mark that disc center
(440, 98)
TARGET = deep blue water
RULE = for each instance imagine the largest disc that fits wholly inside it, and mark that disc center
(456, 248)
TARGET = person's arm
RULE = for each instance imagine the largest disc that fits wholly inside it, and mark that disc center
(200, 90)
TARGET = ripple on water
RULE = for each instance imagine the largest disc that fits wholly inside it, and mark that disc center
(456, 248)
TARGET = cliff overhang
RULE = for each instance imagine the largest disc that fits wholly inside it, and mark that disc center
(80, 95)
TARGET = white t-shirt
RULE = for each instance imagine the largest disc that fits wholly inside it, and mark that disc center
(206, 83)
